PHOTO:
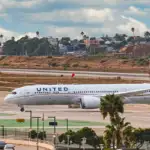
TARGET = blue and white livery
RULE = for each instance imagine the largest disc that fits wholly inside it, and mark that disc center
(87, 95)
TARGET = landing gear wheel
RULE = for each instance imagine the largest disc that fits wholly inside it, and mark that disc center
(22, 109)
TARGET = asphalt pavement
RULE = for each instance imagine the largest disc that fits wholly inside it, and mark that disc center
(85, 74)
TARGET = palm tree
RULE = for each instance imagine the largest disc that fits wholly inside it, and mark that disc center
(84, 37)
(12, 38)
(111, 105)
(82, 33)
(147, 35)
(121, 126)
(1, 37)
(109, 136)
(129, 136)
(133, 30)
(37, 33)
(118, 133)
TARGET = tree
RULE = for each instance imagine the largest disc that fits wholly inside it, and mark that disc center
(109, 136)
(37, 33)
(13, 38)
(82, 33)
(29, 46)
(111, 105)
(147, 35)
(121, 126)
(63, 137)
(133, 29)
(76, 137)
(1, 37)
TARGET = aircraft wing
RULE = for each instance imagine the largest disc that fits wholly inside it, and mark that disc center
(131, 92)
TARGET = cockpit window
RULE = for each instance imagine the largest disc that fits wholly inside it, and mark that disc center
(14, 92)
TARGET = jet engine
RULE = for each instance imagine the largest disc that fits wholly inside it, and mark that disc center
(89, 102)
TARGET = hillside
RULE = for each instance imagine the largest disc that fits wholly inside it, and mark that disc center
(74, 63)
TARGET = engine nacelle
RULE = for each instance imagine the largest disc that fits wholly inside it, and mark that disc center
(89, 102)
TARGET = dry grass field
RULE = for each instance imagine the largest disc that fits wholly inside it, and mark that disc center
(10, 81)
(75, 63)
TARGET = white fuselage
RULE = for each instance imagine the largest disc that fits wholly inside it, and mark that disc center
(70, 94)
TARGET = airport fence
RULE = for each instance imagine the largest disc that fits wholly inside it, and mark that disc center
(23, 134)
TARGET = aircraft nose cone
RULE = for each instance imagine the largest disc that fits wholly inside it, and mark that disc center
(6, 99)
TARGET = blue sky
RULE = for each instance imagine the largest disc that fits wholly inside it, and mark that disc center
(59, 18)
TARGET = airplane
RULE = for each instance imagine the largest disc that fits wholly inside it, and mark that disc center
(86, 95)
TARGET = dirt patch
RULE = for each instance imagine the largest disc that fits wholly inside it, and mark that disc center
(73, 63)
(11, 81)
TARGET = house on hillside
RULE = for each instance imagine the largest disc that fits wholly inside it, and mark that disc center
(135, 50)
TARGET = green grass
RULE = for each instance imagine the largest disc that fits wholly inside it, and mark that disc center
(4, 114)
(13, 123)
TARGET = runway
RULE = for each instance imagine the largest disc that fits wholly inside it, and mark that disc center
(85, 74)
(137, 114)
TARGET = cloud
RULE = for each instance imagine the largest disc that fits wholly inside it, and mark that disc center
(121, 25)
(99, 3)
(8, 34)
(87, 15)
(94, 17)
(29, 34)
(135, 11)
(5, 4)
(140, 27)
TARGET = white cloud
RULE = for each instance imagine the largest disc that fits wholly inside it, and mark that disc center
(3, 15)
(8, 34)
(73, 32)
(99, 3)
(87, 15)
(140, 27)
(4, 4)
(120, 25)
(29, 34)
(135, 11)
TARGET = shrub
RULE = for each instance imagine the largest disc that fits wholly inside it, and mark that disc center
(75, 65)
(76, 137)
(142, 62)
(125, 61)
(49, 57)
(66, 65)
(2, 57)
(85, 66)
(5, 64)
(42, 135)
(54, 64)
(32, 134)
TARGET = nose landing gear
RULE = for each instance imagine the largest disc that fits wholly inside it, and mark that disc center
(21, 108)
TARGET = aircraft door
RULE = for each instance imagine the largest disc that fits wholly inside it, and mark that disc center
(27, 93)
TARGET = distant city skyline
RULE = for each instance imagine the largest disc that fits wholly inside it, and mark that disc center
(58, 18)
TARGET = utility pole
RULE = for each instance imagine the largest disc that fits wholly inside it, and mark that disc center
(67, 124)
(43, 119)
(54, 124)
(37, 131)
(30, 117)
(2, 130)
